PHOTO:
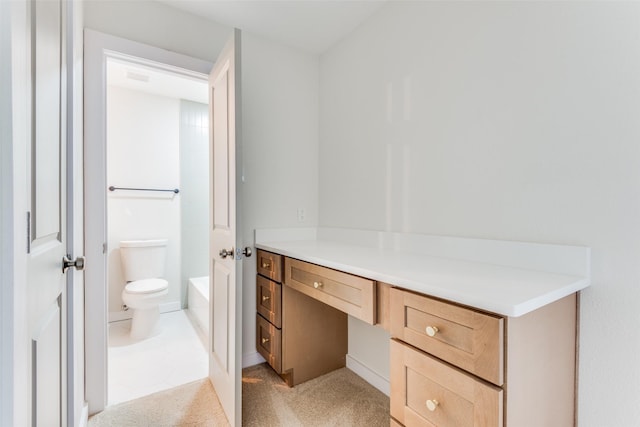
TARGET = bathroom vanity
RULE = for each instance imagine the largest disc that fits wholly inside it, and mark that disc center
(483, 333)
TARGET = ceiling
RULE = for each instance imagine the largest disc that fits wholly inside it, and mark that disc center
(156, 82)
(310, 25)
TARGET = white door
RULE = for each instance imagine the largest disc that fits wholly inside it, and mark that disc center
(47, 216)
(225, 348)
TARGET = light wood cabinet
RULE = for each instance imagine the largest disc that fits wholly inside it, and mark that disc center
(451, 365)
(456, 366)
(351, 294)
(300, 337)
(427, 392)
(466, 338)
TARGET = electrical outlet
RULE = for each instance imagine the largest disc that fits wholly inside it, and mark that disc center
(301, 214)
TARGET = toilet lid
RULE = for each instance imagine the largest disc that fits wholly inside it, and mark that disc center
(146, 286)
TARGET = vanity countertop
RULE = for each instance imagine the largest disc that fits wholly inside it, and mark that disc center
(504, 290)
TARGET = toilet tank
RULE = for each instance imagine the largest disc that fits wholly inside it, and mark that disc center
(143, 259)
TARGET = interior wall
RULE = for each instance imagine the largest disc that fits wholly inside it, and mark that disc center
(142, 152)
(503, 120)
(148, 22)
(194, 192)
(280, 151)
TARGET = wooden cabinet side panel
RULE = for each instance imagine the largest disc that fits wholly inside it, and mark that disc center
(383, 305)
(540, 374)
(314, 337)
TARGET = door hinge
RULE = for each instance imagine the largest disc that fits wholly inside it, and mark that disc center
(104, 248)
(28, 232)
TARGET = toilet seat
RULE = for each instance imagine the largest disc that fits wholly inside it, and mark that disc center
(146, 286)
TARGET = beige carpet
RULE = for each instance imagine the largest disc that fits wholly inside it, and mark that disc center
(340, 398)
(191, 405)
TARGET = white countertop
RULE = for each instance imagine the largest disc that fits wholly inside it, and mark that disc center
(508, 291)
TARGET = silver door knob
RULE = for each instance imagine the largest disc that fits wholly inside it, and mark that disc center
(225, 253)
(247, 252)
(78, 263)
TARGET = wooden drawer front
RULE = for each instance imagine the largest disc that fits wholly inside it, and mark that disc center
(270, 265)
(269, 300)
(462, 400)
(268, 342)
(351, 294)
(466, 338)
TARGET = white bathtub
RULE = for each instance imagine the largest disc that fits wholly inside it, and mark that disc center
(198, 302)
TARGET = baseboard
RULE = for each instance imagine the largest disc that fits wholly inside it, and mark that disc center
(369, 375)
(170, 306)
(250, 359)
(84, 416)
(116, 316)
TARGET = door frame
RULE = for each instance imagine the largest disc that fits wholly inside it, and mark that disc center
(98, 48)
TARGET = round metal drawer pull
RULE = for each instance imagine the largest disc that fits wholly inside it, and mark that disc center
(266, 265)
(265, 298)
(431, 330)
(317, 285)
(265, 340)
(432, 405)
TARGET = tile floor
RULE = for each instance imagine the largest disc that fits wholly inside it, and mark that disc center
(174, 357)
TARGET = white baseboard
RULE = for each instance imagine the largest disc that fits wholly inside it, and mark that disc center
(84, 416)
(250, 359)
(369, 375)
(116, 316)
(170, 306)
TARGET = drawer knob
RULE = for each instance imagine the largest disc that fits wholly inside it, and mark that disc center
(265, 340)
(317, 285)
(431, 330)
(432, 404)
(265, 298)
(266, 264)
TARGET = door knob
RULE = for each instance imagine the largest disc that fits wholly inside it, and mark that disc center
(78, 263)
(225, 253)
(247, 252)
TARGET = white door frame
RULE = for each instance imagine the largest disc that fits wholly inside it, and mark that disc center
(98, 48)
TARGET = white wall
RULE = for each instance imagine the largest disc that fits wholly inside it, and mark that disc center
(505, 120)
(142, 152)
(280, 150)
(158, 25)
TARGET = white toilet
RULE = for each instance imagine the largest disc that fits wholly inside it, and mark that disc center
(143, 264)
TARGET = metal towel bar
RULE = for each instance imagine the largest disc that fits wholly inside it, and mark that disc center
(112, 188)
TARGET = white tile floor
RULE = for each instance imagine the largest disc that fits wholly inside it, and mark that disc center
(174, 357)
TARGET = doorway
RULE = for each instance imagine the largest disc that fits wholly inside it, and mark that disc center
(157, 152)
(100, 49)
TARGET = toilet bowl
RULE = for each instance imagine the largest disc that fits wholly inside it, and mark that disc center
(143, 263)
(144, 298)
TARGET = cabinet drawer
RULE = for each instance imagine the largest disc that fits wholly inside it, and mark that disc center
(428, 392)
(270, 265)
(351, 294)
(269, 300)
(269, 343)
(465, 338)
